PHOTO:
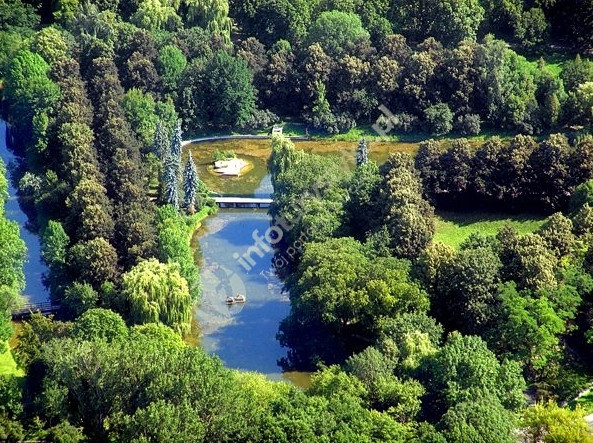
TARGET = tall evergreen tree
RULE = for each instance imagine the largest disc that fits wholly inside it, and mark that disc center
(161, 137)
(176, 141)
(172, 169)
(171, 182)
(362, 154)
(191, 182)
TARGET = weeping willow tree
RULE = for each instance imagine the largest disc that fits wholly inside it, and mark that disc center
(157, 293)
(283, 157)
(212, 15)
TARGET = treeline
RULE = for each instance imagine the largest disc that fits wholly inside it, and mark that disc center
(371, 284)
(102, 152)
(12, 257)
(519, 175)
(96, 379)
(331, 64)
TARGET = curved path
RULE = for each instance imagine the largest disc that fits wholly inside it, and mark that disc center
(237, 137)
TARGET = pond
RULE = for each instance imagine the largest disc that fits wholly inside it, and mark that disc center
(258, 151)
(35, 291)
(242, 335)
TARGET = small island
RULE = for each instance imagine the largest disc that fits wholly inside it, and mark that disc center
(226, 163)
(231, 167)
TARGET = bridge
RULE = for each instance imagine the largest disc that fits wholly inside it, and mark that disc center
(26, 310)
(243, 202)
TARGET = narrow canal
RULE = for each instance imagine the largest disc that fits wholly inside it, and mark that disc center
(35, 291)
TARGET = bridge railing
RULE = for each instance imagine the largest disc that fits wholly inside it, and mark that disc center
(43, 307)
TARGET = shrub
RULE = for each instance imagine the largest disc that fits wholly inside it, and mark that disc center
(438, 119)
(223, 155)
(405, 122)
(468, 124)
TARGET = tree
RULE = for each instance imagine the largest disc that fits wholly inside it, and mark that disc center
(139, 109)
(448, 21)
(93, 261)
(171, 63)
(29, 91)
(478, 420)
(576, 72)
(557, 233)
(172, 169)
(356, 293)
(528, 328)
(222, 91)
(271, 21)
(362, 209)
(54, 248)
(190, 184)
(465, 369)
(527, 260)
(284, 157)
(547, 422)
(550, 168)
(156, 292)
(89, 211)
(211, 15)
(408, 217)
(160, 144)
(155, 15)
(336, 31)
(131, 382)
(439, 119)
(508, 82)
(171, 182)
(12, 279)
(465, 296)
(99, 324)
(79, 298)
(362, 153)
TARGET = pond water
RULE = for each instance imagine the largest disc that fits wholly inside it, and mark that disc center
(35, 291)
(242, 335)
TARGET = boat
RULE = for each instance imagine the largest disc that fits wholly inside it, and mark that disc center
(239, 298)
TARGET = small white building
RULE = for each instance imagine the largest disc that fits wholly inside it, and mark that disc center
(277, 130)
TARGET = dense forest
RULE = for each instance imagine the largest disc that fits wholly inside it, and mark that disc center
(411, 340)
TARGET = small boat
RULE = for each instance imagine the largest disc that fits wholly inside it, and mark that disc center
(239, 298)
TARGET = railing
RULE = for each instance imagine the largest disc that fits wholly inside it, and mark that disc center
(27, 309)
(243, 202)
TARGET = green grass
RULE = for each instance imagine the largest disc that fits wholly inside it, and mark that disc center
(8, 365)
(585, 402)
(452, 228)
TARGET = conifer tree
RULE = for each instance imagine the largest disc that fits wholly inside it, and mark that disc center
(191, 182)
(362, 154)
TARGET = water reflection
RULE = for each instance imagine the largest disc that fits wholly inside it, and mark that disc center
(243, 336)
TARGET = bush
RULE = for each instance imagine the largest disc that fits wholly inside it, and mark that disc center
(223, 155)
(468, 124)
(438, 119)
(405, 122)
(260, 119)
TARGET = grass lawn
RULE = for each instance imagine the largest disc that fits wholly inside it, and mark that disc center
(8, 365)
(452, 228)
